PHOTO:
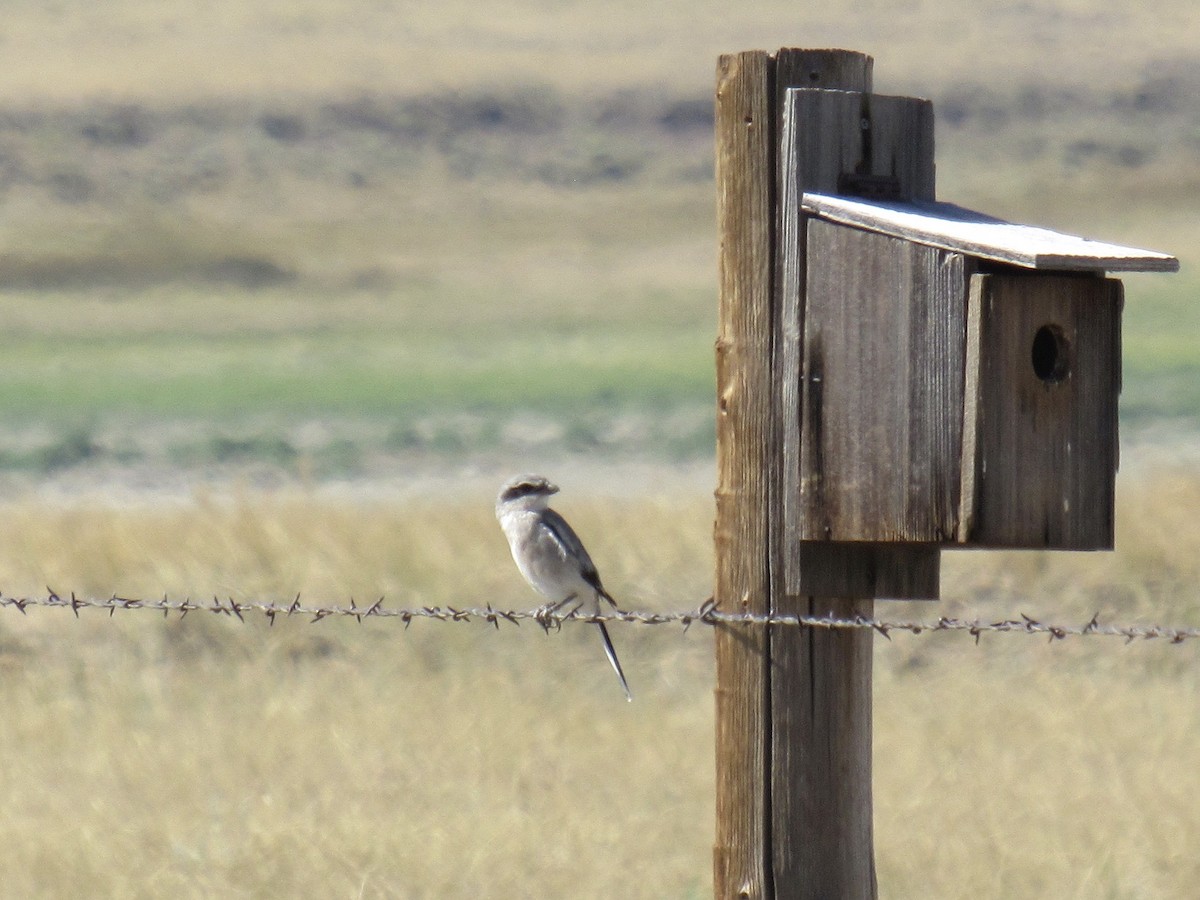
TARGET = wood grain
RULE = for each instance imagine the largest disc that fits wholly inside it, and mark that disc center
(825, 135)
(824, 845)
(821, 832)
(847, 133)
(862, 570)
(884, 344)
(1040, 455)
(745, 213)
(760, 843)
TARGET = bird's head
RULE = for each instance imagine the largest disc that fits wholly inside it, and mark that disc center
(525, 492)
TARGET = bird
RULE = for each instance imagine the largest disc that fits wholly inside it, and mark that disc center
(550, 555)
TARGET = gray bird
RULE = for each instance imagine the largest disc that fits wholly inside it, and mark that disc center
(550, 554)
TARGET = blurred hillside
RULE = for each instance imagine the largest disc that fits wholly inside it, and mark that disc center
(248, 142)
(354, 188)
(139, 50)
(360, 186)
(422, 223)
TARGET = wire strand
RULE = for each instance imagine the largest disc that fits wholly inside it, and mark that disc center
(707, 613)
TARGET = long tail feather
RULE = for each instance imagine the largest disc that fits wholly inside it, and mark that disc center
(612, 658)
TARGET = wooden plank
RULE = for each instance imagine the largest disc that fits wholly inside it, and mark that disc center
(821, 70)
(745, 210)
(824, 766)
(854, 133)
(950, 227)
(826, 134)
(883, 380)
(867, 571)
(820, 682)
(789, 330)
(1040, 432)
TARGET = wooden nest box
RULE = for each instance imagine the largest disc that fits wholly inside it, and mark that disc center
(951, 379)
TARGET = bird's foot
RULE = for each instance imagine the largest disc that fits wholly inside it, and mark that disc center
(551, 615)
(546, 615)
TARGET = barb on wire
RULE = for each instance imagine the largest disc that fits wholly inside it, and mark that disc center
(706, 613)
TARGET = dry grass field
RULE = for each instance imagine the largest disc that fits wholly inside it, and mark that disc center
(275, 276)
(204, 757)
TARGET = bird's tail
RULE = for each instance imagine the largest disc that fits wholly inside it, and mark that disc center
(612, 658)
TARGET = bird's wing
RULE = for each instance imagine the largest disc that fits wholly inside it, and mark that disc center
(570, 547)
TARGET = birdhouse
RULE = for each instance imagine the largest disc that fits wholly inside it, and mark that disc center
(952, 378)
(961, 376)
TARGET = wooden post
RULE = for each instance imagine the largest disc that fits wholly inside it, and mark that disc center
(884, 390)
(760, 852)
(793, 706)
(745, 193)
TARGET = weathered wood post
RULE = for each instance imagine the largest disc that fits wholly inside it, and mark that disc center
(891, 379)
(793, 706)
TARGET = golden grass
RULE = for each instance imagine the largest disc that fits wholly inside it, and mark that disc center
(142, 758)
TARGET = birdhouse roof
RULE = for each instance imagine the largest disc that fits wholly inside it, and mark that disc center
(954, 228)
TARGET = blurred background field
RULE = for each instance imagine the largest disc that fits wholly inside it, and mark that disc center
(274, 276)
(342, 234)
(151, 757)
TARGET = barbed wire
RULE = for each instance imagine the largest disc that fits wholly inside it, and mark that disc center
(706, 613)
